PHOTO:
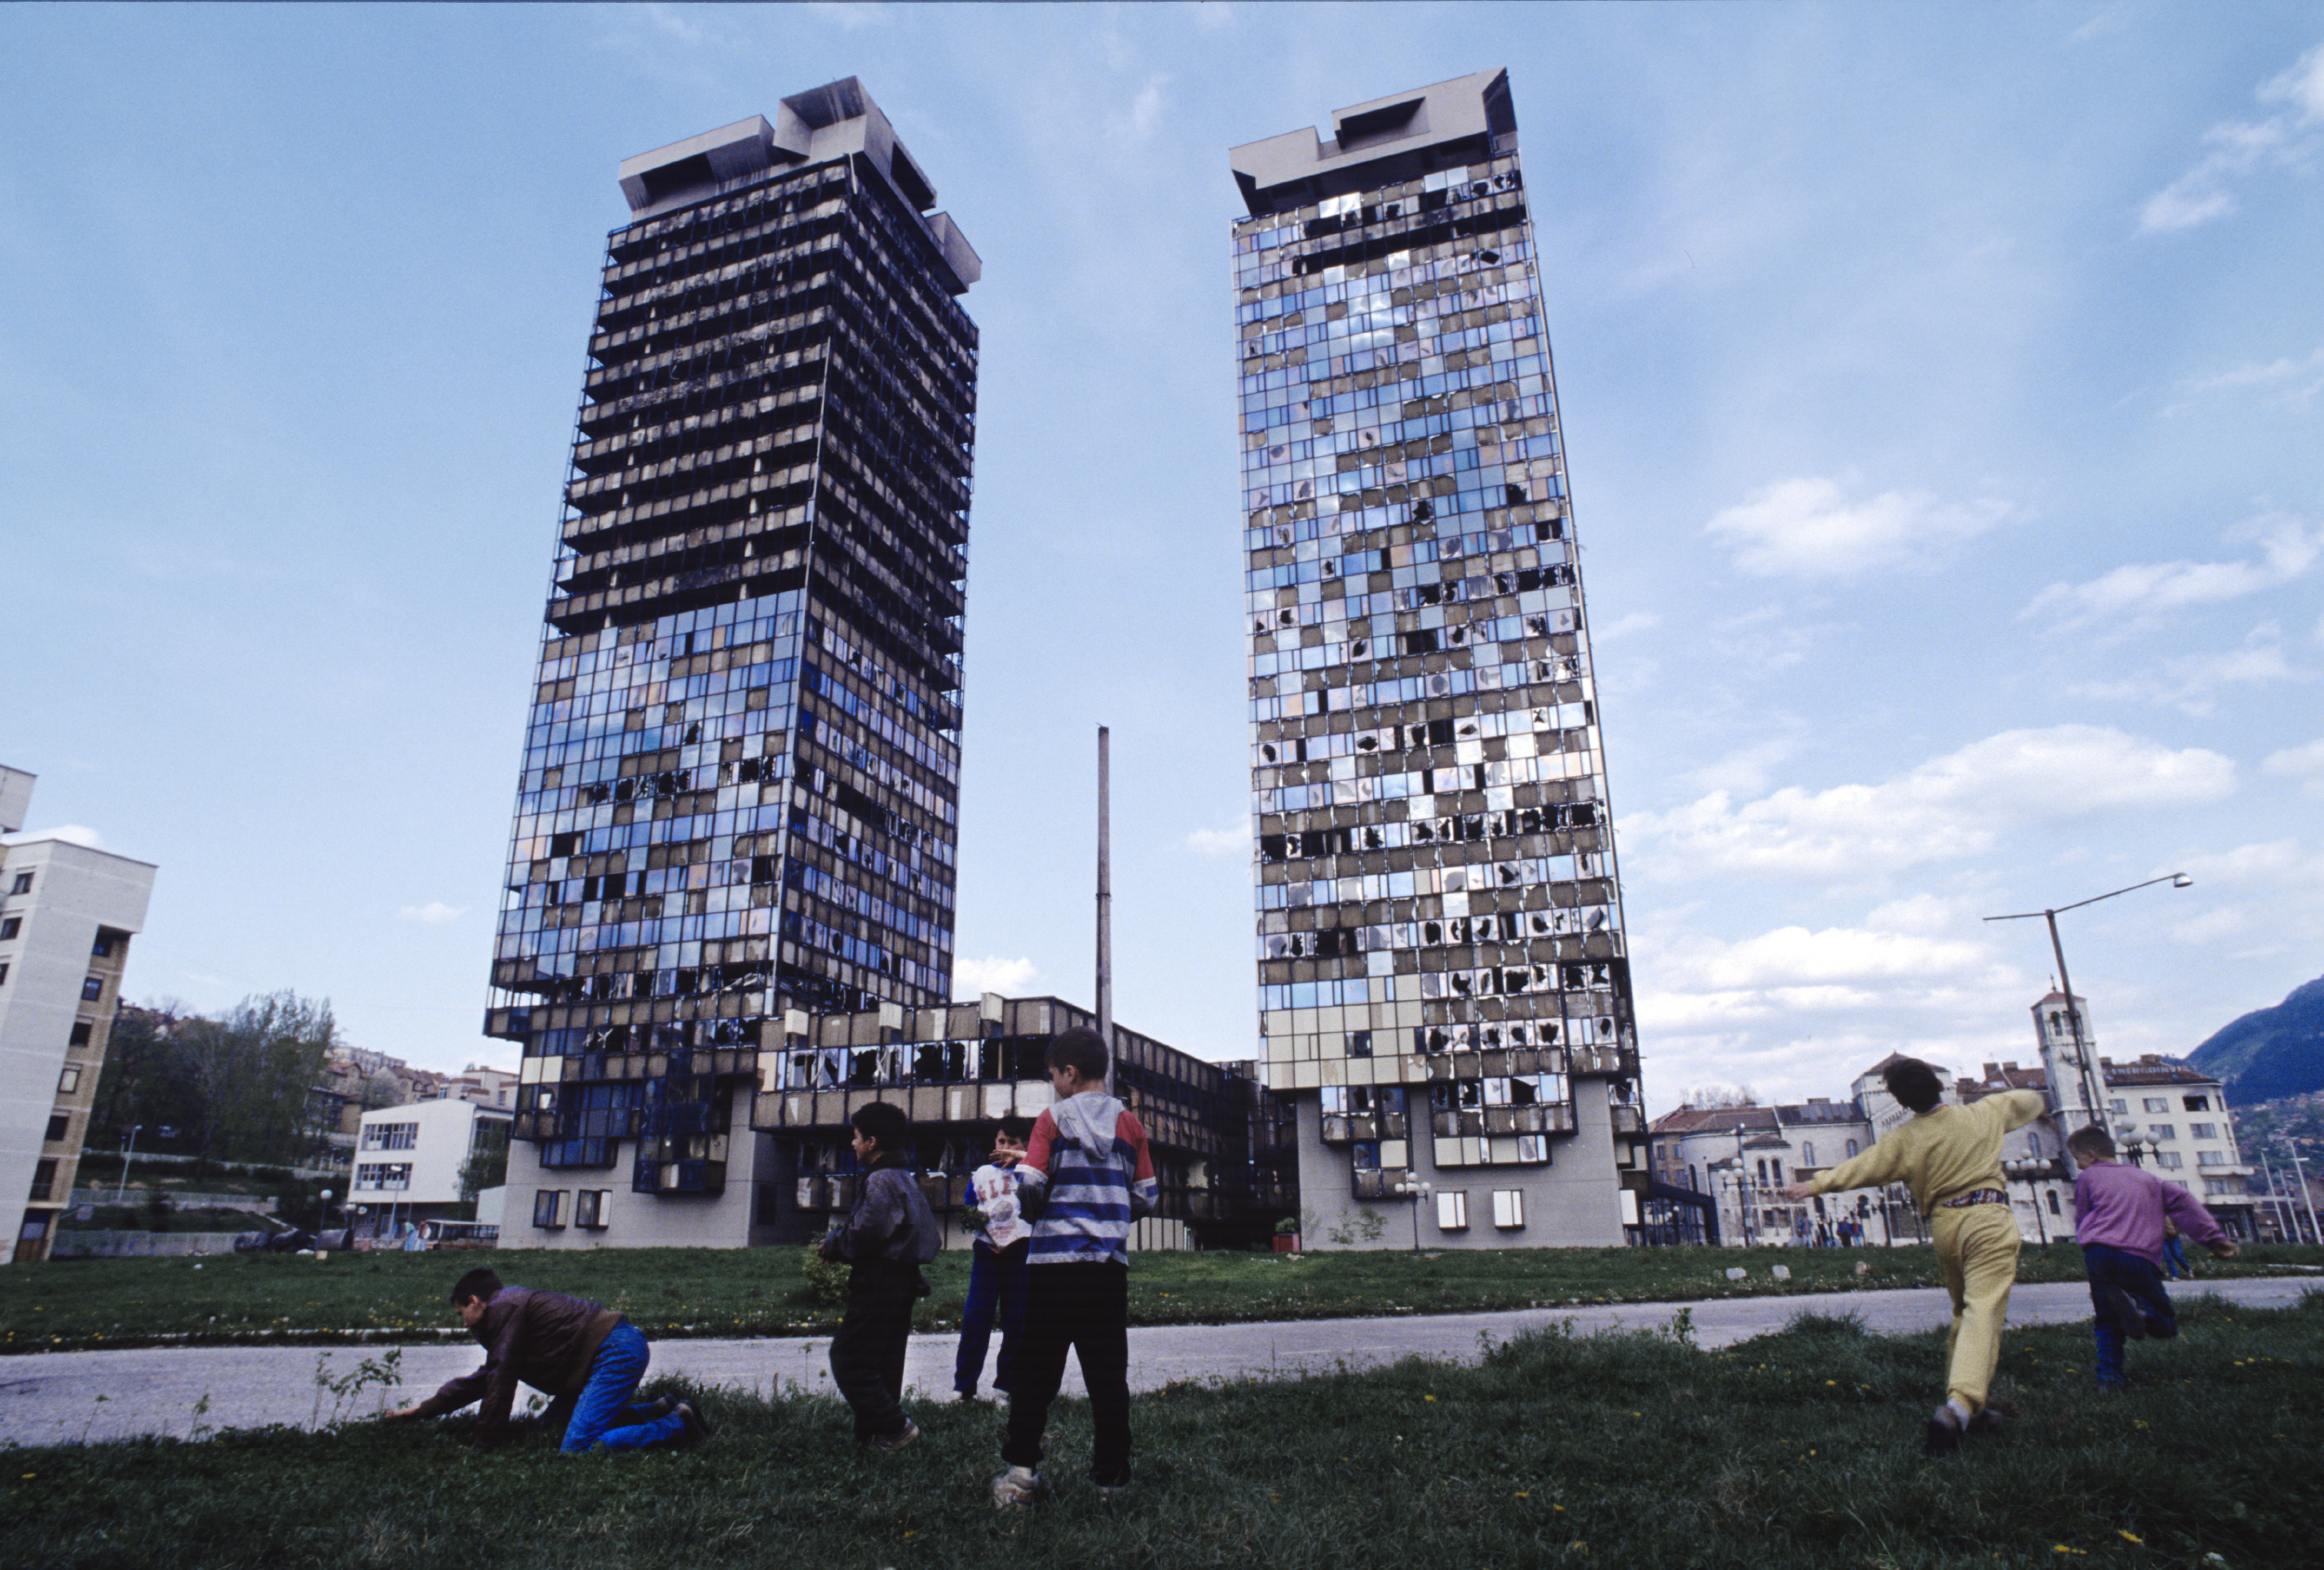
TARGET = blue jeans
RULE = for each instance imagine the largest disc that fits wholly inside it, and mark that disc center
(601, 1412)
(996, 1286)
(2111, 1267)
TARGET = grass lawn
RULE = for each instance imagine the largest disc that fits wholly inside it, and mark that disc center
(1797, 1449)
(673, 1292)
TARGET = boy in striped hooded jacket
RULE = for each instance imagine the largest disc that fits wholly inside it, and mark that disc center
(1087, 1174)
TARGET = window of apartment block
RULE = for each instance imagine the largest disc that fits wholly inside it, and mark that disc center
(59, 1125)
(10, 927)
(2119, 1109)
(2196, 1104)
(43, 1178)
(104, 947)
(23, 884)
(383, 1175)
(548, 1207)
(2202, 1130)
(2169, 1158)
(92, 989)
(1508, 1208)
(2158, 1104)
(1452, 1211)
(2163, 1131)
(2211, 1158)
(592, 1206)
(82, 1030)
(4, 972)
(391, 1136)
(70, 1080)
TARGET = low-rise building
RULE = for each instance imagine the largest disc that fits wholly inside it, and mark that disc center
(67, 913)
(409, 1159)
(726, 1146)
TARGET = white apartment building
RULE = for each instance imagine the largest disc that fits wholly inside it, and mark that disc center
(408, 1160)
(67, 913)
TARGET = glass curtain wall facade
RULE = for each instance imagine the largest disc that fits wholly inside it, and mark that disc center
(1439, 925)
(740, 780)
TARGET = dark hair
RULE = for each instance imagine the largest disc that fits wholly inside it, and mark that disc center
(2092, 1141)
(1080, 1049)
(1017, 1128)
(883, 1123)
(1913, 1083)
(478, 1283)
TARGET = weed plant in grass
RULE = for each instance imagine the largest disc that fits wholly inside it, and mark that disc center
(680, 1292)
(1796, 1449)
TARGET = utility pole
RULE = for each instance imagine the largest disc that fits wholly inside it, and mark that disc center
(2300, 1178)
(1105, 898)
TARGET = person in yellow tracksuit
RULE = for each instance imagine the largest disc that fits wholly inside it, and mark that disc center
(1950, 1159)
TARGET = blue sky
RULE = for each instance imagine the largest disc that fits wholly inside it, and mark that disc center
(1943, 386)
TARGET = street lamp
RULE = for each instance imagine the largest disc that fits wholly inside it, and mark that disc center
(1417, 1191)
(2093, 1092)
(1743, 1189)
(2300, 1181)
(128, 1154)
(2032, 1171)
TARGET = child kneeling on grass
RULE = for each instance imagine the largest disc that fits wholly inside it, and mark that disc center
(1087, 1174)
(2122, 1217)
(887, 1237)
(1951, 1157)
(586, 1358)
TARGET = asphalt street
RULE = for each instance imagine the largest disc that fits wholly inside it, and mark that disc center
(52, 1397)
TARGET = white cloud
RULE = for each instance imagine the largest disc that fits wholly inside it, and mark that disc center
(435, 913)
(1234, 839)
(1948, 807)
(2191, 684)
(2288, 548)
(2302, 763)
(973, 977)
(71, 834)
(1698, 981)
(1622, 627)
(1806, 528)
(2287, 383)
(2220, 922)
(2262, 862)
(1136, 124)
(1747, 769)
(2207, 191)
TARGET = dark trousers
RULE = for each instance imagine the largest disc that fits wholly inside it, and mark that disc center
(1085, 1307)
(2111, 1267)
(996, 1294)
(867, 1354)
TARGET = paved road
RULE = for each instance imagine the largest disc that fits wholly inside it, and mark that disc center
(73, 1395)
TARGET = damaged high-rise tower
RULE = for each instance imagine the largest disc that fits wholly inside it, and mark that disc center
(1442, 973)
(740, 779)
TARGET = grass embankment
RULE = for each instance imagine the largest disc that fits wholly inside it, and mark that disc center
(1798, 1449)
(672, 1292)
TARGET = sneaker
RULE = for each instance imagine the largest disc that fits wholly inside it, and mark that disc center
(1112, 1490)
(966, 1398)
(1993, 1417)
(891, 1442)
(1943, 1435)
(693, 1430)
(2127, 1313)
(1017, 1487)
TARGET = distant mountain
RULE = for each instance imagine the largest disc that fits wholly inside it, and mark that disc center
(2270, 1052)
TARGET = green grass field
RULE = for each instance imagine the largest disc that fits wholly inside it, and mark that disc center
(673, 1292)
(1797, 1449)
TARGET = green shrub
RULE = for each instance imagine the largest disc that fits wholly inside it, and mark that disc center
(827, 1279)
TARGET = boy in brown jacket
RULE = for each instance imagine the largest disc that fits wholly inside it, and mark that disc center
(587, 1358)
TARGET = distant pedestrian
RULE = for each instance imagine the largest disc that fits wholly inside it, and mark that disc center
(2174, 1252)
(586, 1358)
(887, 1237)
(1087, 1175)
(997, 1264)
(2124, 1219)
(1951, 1157)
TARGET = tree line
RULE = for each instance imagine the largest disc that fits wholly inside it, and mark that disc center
(236, 1086)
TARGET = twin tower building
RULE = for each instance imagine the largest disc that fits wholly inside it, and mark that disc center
(729, 907)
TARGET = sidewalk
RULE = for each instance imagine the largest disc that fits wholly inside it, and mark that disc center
(52, 1397)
